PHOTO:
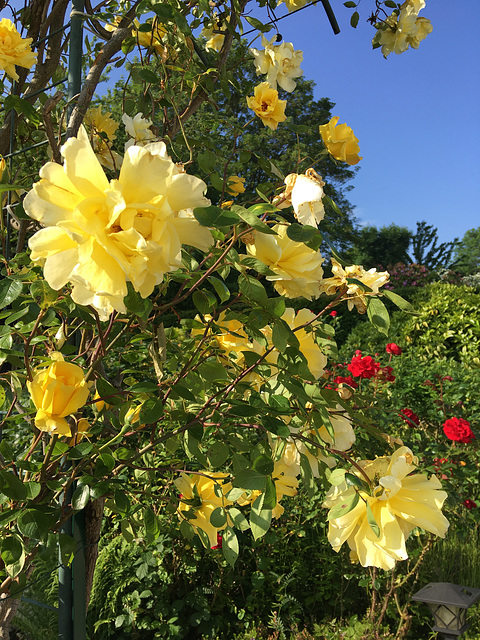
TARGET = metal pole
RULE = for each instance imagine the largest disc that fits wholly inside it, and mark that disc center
(72, 623)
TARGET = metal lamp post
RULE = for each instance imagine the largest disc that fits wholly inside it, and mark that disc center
(448, 604)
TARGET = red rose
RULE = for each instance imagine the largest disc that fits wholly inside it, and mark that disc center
(393, 349)
(334, 313)
(458, 429)
(409, 416)
(219, 542)
(363, 367)
(346, 380)
(469, 504)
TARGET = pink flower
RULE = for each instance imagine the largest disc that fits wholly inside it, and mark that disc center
(458, 429)
(365, 367)
(469, 504)
(334, 313)
(393, 349)
(409, 417)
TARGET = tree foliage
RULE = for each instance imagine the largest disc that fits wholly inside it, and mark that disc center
(427, 250)
(382, 247)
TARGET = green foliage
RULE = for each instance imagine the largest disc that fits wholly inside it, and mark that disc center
(380, 248)
(466, 258)
(447, 326)
(426, 249)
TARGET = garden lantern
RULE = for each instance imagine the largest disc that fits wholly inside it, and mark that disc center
(448, 604)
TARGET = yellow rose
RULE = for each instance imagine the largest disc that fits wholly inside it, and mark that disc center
(404, 29)
(340, 141)
(355, 295)
(400, 501)
(151, 39)
(297, 268)
(293, 5)
(57, 391)
(304, 193)
(266, 105)
(101, 234)
(199, 498)
(280, 62)
(14, 50)
(235, 185)
(3, 166)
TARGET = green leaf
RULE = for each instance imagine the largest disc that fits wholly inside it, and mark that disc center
(121, 502)
(215, 217)
(250, 479)
(218, 454)
(182, 23)
(371, 520)
(137, 305)
(270, 495)
(259, 26)
(399, 301)
(283, 335)
(22, 106)
(350, 4)
(218, 517)
(43, 294)
(229, 545)
(343, 507)
(260, 519)
(238, 519)
(33, 489)
(212, 371)
(80, 497)
(11, 486)
(10, 289)
(151, 524)
(148, 76)
(204, 301)
(13, 555)
(254, 263)
(151, 411)
(360, 284)
(80, 451)
(276, 426)
(354, 19)
(192, 449)
(35, 524)
(252, 220)
(263, 464)
(301, 233)
(378, 315)
(252, 289)
(220, 287)
(68, 546)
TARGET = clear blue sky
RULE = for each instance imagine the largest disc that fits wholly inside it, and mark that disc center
(416, 115)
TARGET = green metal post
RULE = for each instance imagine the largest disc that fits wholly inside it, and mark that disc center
(71, 580)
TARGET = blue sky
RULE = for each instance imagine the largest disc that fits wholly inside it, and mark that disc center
(416, 114)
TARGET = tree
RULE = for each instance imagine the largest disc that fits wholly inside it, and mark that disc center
(382, 247)
(427, 251)
(466, 258)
